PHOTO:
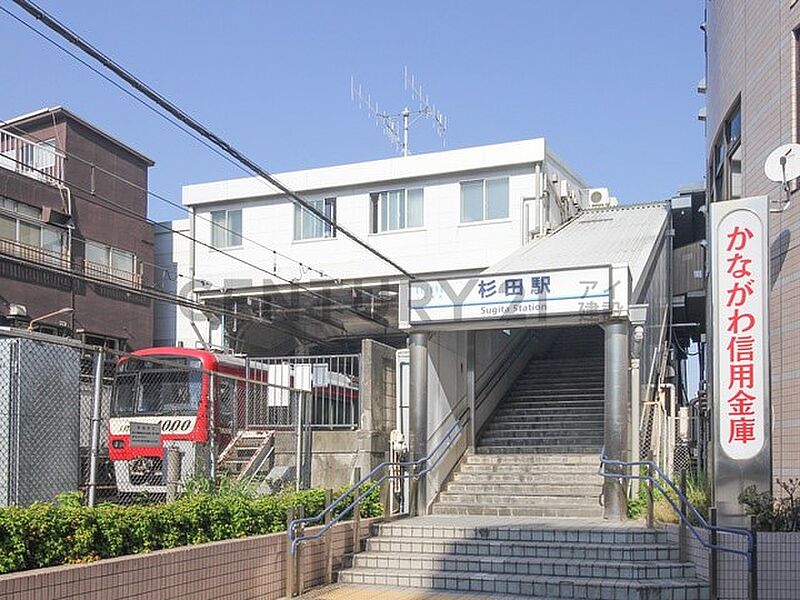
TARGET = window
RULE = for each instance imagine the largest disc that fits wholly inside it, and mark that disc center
(484, 200)
(308, 226)
(397, 209)
(107, 262)
(726, 159)
(226, 228)
(22, 233)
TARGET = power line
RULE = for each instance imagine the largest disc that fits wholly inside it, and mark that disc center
(136, 186)
(76, 40)
(159, 295)
(160, 197)
(8, 125)
(130, 213)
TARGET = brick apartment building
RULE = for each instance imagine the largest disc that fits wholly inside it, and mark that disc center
(74, 242)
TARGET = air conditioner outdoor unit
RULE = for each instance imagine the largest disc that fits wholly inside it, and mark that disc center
(17, 310)
(533, 208)
(598, 197)
(563, 188)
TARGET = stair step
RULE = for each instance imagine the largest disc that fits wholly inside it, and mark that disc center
(548, 477)
(586, 458)
(567, 427)
(521, 490)
(552, 511)
(555, 439)
(532, 498)
(525, 473)
(542, 402)
(443, 563)
(608, 551)
(520, 533)
(556, 409)
(519, 449)
(554, 395)
(528, 422)
(533, 586)
(559, 381)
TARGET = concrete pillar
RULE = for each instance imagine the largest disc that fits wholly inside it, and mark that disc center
(616, 413)
(470, 388)
(418, 407)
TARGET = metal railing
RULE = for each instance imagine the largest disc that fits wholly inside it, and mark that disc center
(333, 380)
(393, 470)
(35, 159)
(112, 275)
(34, 253)
(655, 476)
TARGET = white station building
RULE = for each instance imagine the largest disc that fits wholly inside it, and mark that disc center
(510, 258)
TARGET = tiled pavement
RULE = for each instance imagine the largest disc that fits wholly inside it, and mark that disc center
(358, 592)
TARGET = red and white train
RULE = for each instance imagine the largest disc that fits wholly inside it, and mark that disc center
(171, 387)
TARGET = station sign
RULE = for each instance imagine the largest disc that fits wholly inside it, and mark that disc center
(511, 295)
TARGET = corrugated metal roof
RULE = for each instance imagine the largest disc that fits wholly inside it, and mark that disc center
(619, 235)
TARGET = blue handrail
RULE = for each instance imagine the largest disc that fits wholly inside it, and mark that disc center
(748, 554)
(297, 526)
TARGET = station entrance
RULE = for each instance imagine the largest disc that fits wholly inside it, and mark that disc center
(543, 359)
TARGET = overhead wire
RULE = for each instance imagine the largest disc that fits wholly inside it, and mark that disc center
(128, 212)
(158, 295)
(162, 198)
(241, 160)
(98, 200)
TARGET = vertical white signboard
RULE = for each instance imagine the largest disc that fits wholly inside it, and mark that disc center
(740, 262)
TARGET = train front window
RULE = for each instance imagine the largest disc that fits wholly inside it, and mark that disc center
(153, 388)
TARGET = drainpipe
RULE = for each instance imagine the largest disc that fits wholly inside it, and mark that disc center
(616, 414)
(418, 406)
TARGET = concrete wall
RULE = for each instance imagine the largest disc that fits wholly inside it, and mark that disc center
(752, 54)
(447, 355)
(442, 244)
(337, 453)
(251, 568)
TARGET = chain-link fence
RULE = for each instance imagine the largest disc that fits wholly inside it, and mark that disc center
(132, 428)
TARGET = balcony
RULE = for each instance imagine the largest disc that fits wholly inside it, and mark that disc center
(37, 254)
(35, 159)
(110, 274)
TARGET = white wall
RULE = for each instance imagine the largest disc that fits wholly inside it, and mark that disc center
(443, 243)
(172, 323)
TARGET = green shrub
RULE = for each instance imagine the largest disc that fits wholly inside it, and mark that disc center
(696, 492)
(774, 514)
(65, 531)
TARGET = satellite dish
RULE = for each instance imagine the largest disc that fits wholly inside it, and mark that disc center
(783, 163)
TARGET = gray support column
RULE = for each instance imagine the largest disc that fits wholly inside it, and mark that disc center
(470, 388)
(418, 407)
(616, 414)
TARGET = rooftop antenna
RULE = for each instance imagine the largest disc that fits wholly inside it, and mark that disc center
(395, 126)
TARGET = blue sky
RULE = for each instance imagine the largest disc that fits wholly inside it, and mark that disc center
(611, 84)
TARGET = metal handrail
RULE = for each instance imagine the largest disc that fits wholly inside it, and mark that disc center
(748, 554)
(297, 526)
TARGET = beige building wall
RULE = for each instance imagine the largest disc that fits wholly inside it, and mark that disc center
(752, 59)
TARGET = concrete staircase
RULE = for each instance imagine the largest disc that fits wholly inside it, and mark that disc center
(522, 516)
(538, 454)
(531, 485)
(546, 559)
(555, 406)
